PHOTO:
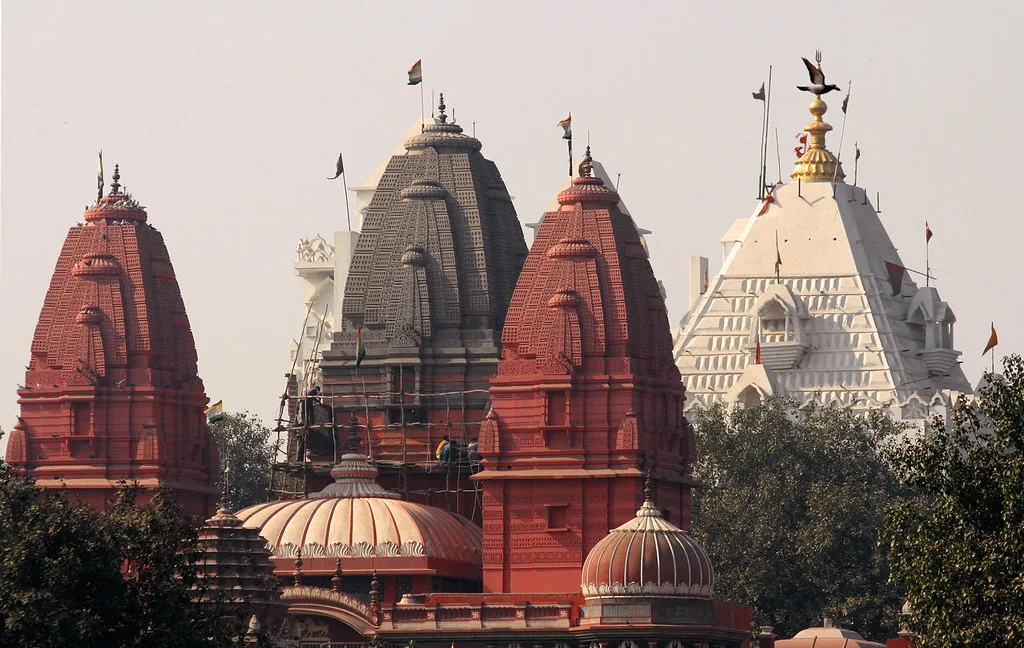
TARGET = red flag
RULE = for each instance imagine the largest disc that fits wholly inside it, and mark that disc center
(759, 95)
(705, 282)
(896, 272)
(993, 340)
(927, 233)
(757, 350)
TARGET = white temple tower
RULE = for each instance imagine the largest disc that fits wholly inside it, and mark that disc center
(835, 322)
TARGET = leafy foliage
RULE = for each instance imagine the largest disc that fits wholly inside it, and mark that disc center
(790, 510)
(959, 544)
(72, 576)
(246, 457)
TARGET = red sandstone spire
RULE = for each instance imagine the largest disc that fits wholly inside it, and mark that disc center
(587, 398)
(112, 390)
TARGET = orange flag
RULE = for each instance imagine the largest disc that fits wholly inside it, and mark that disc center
(757, 350)
(993, 340)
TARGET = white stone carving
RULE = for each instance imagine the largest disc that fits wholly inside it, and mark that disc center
(314, 250)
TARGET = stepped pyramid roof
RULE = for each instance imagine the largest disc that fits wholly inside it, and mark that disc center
(842, 321)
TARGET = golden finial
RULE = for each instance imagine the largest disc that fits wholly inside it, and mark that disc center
(817, 164)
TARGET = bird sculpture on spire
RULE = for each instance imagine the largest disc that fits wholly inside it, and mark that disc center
(817, 85)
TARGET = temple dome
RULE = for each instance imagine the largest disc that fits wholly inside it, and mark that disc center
(648, 556)
(355, 518)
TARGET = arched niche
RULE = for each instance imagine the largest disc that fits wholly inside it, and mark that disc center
(752, 388)
(778, 323)
(931, 321)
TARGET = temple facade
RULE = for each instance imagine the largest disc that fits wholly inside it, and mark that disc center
(814, 302)
(585, 474)
(112, 390)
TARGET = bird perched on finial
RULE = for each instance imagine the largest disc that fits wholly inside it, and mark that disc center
(818, 85)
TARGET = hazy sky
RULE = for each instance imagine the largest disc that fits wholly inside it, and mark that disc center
(226, 117)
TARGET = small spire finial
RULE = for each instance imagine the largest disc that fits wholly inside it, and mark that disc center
(587, 164)
(115, 186)
(443, 118)
(353, 434)
(649, 485)
(336, 580)
(298, 569)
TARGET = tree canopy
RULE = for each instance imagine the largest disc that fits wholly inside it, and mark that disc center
(790, 509)
(73, 576)
(958, 544)
(246, 457)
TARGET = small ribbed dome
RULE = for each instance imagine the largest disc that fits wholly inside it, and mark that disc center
(648, 556)
(572, 247)
(96, 263)
(414, 255)
(356, 518)
(564, 298)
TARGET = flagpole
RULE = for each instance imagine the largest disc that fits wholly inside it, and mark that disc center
(348, 214)
(927, 261)
(423, 117)
(760, 151)
(778, 153)
(767, 118)
(842, 135)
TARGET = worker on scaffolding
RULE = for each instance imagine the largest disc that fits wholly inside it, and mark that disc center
(314, 398)
(471, 451)
(444, 449)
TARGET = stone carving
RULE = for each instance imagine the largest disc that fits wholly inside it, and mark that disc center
(307, 628)
(314, 250)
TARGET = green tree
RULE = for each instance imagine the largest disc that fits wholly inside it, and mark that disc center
(246, 457)
(958, 545)
(790, 508)
(72, 576)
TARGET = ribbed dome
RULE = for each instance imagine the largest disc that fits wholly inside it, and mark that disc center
(363, 527)
(648, 556)
(356, 518)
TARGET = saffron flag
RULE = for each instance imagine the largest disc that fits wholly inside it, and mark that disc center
(927, 233)
(360, 349)
(896, 273)
(416, 73)
(99, 178)
(339, 170)
(705, 282)
(215, 412)
(846, 101)
(757, 350)
(993, 340)
(566, 125)
(759, 95)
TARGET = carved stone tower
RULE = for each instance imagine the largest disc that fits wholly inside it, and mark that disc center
(112, 390)
(430, 280)
(586, 401)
